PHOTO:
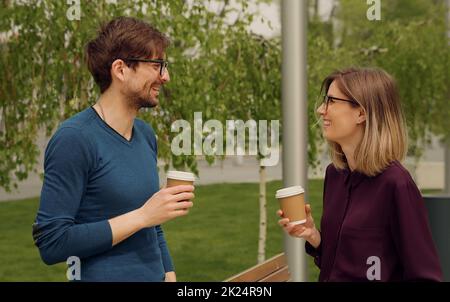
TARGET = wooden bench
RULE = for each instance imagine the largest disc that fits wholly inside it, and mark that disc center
(274, 269)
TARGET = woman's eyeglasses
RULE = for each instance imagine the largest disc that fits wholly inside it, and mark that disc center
(327, 99)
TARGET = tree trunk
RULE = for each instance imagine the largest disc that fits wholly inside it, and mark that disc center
(262, 215)
(447, 168)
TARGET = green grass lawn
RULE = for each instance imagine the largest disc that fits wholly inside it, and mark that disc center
(19, 258)
(224, 230)
(218, 238)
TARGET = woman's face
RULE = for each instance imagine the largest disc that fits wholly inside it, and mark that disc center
(341, 122)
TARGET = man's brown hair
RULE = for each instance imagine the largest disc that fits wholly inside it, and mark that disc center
(122, 38)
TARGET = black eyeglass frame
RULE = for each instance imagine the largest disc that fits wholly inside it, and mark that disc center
(328, 98)
(162, 63)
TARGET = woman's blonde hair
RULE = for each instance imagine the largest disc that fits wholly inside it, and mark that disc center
(385, 138)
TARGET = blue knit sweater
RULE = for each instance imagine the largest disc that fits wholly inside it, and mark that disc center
(92, 174)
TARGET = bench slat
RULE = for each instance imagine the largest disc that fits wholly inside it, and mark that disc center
(281, 275)
(261, 271)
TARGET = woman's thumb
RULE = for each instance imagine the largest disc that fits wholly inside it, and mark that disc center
(308, 209)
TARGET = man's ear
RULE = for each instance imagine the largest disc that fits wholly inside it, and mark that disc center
(361, 116)
(118, 70)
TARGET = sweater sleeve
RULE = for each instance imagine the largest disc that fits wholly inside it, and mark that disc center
(316, 253)
(68, 160)
(167, 259)
(412, 236)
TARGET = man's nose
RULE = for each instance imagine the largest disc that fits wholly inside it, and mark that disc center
(165, 77)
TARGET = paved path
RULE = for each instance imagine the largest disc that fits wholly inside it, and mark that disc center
(430, 173)
(227, 171)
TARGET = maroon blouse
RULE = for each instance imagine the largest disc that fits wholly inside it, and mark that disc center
(382, 218)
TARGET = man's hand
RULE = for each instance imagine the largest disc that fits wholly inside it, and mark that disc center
(163, 206)
(170, 277)
(167, 204)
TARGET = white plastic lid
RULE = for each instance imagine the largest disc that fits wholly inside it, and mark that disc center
(289, 191)
(187, 176)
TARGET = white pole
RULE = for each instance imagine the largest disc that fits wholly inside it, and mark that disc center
(295, 117)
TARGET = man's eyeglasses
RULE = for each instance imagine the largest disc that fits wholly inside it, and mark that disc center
(327, 99)
(162, 63)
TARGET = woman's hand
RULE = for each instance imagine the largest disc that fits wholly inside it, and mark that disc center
(306, 230)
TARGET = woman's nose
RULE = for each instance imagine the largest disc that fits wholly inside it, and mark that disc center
(321, 110)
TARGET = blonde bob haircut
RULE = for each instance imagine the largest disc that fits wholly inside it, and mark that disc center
(385, 138)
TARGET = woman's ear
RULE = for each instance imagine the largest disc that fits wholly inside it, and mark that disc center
(361, 116)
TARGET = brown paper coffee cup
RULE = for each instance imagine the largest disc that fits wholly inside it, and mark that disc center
(176, 178)
(292, 203)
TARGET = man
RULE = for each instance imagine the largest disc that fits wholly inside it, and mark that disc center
(100, 199)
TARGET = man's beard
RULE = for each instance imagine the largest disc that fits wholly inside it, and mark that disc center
(142, 98)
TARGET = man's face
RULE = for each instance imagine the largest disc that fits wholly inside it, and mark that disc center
(143, 86)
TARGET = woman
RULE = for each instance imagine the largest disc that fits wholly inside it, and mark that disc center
(374, 224)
